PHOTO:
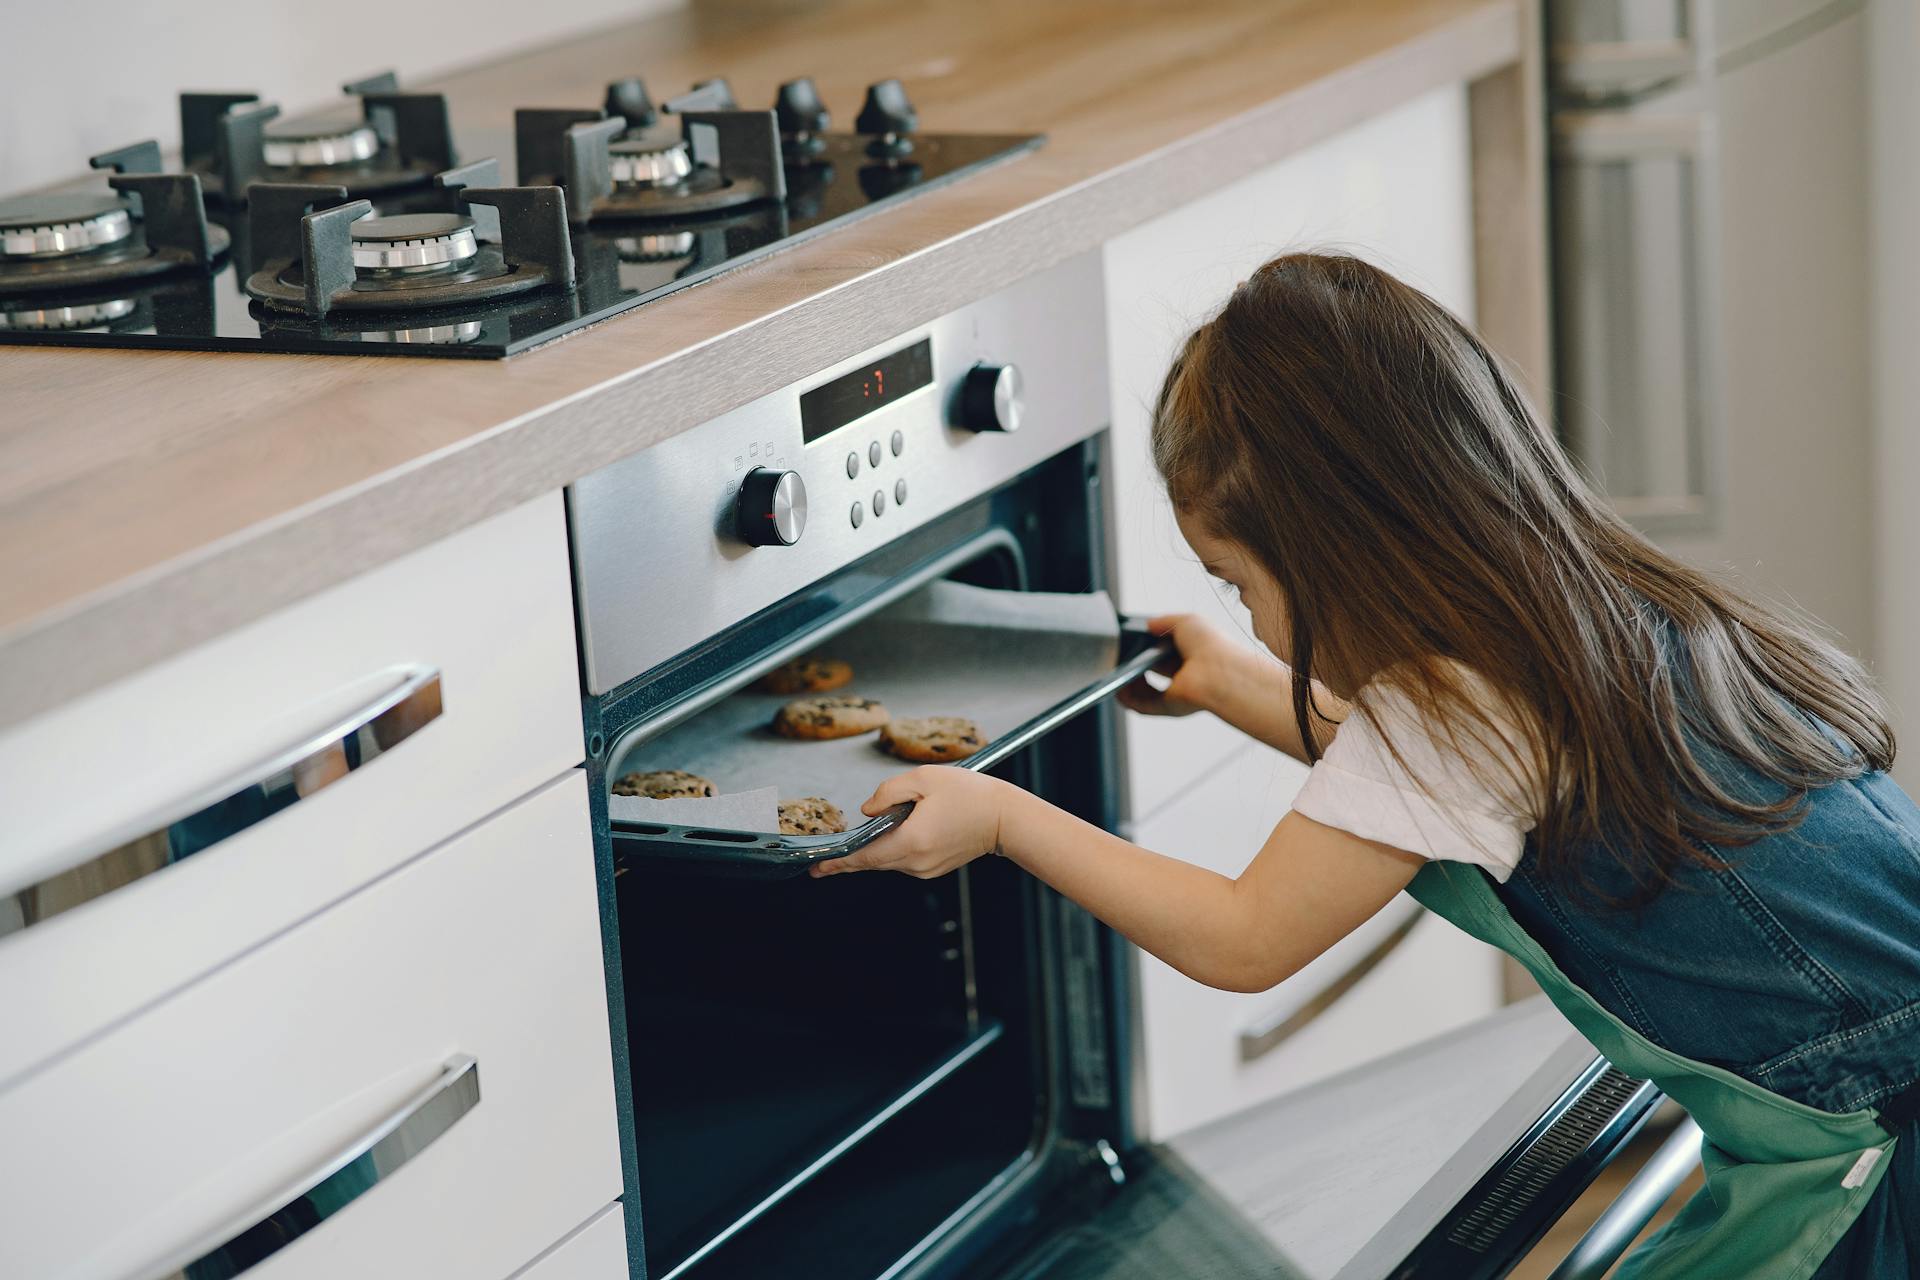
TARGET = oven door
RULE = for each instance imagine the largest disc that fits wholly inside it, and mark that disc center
(1448, 1160)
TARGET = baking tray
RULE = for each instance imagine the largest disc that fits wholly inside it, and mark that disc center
(1020, 664)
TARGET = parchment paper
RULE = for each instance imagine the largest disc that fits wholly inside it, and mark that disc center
(998, 658)
(757, 810)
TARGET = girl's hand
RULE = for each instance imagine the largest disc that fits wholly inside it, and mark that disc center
(955, 819)
(1244, 686)
(1206, 667)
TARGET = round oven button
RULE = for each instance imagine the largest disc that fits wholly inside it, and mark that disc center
(772, 508)
(873, 454)
(899, 492)
(859, 515)
(879, 502)
(853, 465)
(898, 442)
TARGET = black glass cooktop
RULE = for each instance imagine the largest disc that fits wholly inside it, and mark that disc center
(618, 264)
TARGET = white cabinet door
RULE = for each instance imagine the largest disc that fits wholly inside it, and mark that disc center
(1197, 1040)
(597, 1251)
(178, 1130)
(480, 626)
(1394, 190)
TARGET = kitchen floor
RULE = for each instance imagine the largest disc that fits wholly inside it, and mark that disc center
(1565, 1233)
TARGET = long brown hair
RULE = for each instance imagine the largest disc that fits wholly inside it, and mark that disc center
(1371, 454)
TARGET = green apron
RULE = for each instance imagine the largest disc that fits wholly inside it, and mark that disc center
(1783, 1180)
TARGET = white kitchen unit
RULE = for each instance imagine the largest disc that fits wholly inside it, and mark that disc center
(1394, 190)
(447, 676)
(597, 1251)
(454, 1007)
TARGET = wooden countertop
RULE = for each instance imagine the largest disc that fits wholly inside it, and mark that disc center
(150, 501)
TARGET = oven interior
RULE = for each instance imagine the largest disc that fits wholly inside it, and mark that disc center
(866, 1071)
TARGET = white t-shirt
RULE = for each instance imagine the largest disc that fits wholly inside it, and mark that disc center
(1359, 786)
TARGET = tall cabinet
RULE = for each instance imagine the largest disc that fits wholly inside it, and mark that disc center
(1398, 191)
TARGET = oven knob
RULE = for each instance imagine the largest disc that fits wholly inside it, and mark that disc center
(990, 398)
(773, 508)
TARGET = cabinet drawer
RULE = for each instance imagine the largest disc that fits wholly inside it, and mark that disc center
(478, 627)
(179, 1130)
(598, 1251)
(1401, 977)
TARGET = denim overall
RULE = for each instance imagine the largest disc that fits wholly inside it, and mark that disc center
(1778, 1001)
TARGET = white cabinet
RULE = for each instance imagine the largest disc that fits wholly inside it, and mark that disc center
(1394, 190)
(179, 1128)
(1196, 1068)
(482, 623)
(597, 1251)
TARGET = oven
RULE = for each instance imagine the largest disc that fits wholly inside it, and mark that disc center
(877, 1076)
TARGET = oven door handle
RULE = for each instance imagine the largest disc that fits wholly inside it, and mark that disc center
(1142, 652)
(763, 856)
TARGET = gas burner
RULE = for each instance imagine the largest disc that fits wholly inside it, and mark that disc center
(323, 253)
(614, 167)
(385, 142)
(85, 241)
(58, 226)
(413, 244)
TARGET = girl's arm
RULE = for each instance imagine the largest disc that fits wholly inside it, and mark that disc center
(1245, 687)
(1309, 886)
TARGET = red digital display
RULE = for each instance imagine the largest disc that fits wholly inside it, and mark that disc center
(851, 396)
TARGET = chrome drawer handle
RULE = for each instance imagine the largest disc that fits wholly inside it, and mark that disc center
(238, 801)
(1263, 1037)
(290, 1212)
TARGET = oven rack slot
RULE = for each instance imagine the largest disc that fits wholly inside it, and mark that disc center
(764, 855)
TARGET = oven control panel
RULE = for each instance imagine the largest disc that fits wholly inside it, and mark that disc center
(704, 530)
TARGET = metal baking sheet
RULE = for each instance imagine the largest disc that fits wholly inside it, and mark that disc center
(999, 658)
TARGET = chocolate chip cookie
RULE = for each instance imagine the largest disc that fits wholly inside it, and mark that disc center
(832, 715)
(932, 739)
(811, 816)
(664, 784)
(805, 675)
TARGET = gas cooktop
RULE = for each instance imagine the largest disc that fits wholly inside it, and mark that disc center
(355, 229)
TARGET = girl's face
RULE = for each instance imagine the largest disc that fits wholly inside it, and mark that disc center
(1254, 586)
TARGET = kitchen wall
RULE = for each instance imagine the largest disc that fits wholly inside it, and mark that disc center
(1893, 44)
(79, 79)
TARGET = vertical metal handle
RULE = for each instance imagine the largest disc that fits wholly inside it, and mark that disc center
(1635, 243)
(290, 1212)
(1622, 1221)
(232, 804)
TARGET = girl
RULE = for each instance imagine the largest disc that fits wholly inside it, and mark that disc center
(1665, 800)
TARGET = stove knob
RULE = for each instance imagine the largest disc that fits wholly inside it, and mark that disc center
(799, 108)
(773, 508)
(628, 99)
(888, 117)
(990, 398)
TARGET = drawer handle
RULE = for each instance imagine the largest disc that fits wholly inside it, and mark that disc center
(290, 1212)
(1263, 1037)
(238, 801)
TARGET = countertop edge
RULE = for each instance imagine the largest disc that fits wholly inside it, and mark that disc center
(147, 618)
